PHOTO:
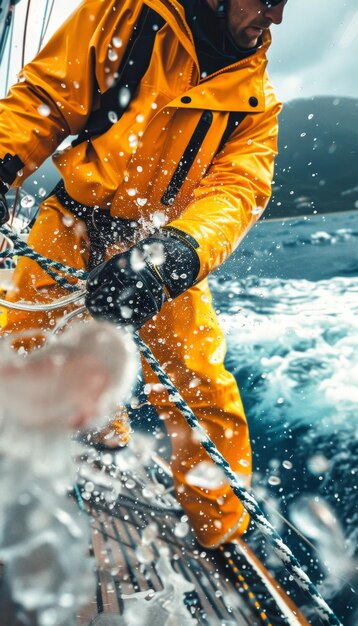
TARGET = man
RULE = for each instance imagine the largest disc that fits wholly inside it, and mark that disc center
(158, 199)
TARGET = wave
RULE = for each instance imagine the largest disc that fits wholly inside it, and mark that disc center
(314, 248)
(293, 349)
(293, 346)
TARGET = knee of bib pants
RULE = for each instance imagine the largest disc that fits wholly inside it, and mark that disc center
(57, 235)
(187, 341)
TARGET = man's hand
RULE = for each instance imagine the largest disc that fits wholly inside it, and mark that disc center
(131, 287)
(4, 211)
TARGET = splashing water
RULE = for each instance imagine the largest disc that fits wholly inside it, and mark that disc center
(162, 608)
(44, 394)
(292, 346)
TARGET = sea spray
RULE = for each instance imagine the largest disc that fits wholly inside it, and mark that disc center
(45, 393)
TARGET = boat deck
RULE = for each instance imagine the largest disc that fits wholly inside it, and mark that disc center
(141, 542)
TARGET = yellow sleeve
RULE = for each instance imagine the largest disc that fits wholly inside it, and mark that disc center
(235, 191)
(57, 90)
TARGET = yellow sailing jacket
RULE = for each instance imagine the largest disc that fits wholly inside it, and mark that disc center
(129, 168)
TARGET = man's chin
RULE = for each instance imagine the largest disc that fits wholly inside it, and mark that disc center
(247, 41)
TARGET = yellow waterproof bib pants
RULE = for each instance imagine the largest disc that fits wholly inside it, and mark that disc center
(186, 339)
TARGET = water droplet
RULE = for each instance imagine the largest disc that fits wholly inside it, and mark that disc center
(141, 201)
(144, 554)
(287, 464)
(181, 529)
(66, 600)
(150, 533)
(113, 117)
(112, 55)
(44, 110)
(317, 464)
(133, 140)
(257, 210)
(130, 483)
(117, 42)
(27, 202)
(195, 382)
(124, 97)
(148, 493)
(68, 220)
(126, 312)
(159, 219)
(206, 475)
(107, 459)
(156, 253)
(274, 480)
(137, 260)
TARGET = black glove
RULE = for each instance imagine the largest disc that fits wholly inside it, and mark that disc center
(4, 210)
(131, 287)
(9, 167)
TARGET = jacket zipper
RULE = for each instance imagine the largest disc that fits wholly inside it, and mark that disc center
(187, 159)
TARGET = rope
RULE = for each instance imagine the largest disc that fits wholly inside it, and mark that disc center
(22, 249)
(247, 499)
(7, 79)
(45, 20)
(25, 33)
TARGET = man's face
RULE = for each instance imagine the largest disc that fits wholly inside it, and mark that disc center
(247, 19)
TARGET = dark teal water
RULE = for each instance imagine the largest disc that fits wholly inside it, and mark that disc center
(288, 302)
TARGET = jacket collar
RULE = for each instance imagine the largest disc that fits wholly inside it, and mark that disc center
(229, 89)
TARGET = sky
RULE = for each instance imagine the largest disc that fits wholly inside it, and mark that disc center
(314, 50)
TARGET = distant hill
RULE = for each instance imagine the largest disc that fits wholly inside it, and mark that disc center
(317, 165)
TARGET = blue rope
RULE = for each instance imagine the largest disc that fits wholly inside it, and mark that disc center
(247, 499)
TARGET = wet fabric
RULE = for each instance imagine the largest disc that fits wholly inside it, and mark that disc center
(127, 171)
(187, 340)
(118, 170)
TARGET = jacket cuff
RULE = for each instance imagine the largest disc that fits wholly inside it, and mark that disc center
(9, 167)
(3, 188)
(180, 266)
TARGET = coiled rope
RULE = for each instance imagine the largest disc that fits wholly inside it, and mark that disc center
(247, 499)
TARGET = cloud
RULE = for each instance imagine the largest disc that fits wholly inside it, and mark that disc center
(314, 50)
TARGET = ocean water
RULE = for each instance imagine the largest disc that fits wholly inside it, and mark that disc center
(287, 300)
